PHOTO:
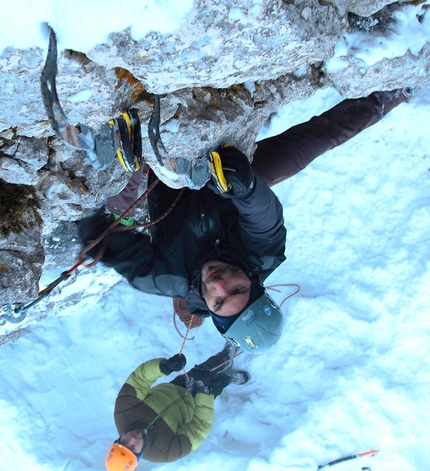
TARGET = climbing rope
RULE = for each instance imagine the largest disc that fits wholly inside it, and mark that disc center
(183, 343)
(272, 287)
(155, 221)
(114, 227)
(227, 361)
(191, 321)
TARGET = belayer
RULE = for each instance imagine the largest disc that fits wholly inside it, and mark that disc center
(166, 422)
(215, 249)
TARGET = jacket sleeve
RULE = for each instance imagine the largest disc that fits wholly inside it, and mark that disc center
(133, 393)
(262, 225)
(198, 429)
(130, 253)
(144, 376)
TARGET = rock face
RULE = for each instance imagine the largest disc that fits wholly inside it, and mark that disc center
(21, 251)
(221, 76)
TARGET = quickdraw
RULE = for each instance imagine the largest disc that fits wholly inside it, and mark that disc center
(16, 313)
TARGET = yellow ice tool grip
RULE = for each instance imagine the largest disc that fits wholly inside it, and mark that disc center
(217, 172)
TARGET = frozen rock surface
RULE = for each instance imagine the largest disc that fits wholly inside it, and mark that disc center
(220, 78)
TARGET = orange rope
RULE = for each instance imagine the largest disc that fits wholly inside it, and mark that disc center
(114, 227)
(75, 266)
(272, 287)
(227, 361)
(177, 329)
(183, 343)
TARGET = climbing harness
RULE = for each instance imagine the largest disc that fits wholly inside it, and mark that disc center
(347, 458)
(16, 313)
(155, 221)
(118, 221)
(116, 225)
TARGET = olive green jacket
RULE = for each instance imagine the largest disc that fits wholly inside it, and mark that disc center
(175, 423)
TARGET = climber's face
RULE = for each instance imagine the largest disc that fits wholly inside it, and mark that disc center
(225, 288)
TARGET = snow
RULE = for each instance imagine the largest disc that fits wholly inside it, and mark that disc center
(410, 32)
(351, 371)
(81, 25)
(83, 95)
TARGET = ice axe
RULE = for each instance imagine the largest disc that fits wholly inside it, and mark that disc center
(48, 86)
(347, 458)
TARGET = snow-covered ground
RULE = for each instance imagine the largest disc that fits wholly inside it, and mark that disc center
(351, 372)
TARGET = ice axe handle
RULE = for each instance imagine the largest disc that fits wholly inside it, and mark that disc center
(347, 458)
(217, 172)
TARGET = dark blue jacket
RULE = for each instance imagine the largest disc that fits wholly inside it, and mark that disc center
(202, 224)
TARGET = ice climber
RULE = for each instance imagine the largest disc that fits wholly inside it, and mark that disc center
(215, 249)
(166, 422)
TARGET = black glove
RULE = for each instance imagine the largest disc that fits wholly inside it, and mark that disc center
(174, 363)
(237, 171)
(201, 378)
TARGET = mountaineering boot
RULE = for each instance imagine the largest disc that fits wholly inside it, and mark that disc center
(238, 377)
(127, 139)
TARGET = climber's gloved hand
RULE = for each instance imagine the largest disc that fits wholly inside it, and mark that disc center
(218, 383)
(237, 171)
(201, 374)
(202, 380)
(174, 363)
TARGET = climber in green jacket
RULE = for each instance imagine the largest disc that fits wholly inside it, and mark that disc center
(168, 421)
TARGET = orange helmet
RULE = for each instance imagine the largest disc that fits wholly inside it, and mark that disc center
(120, 458)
